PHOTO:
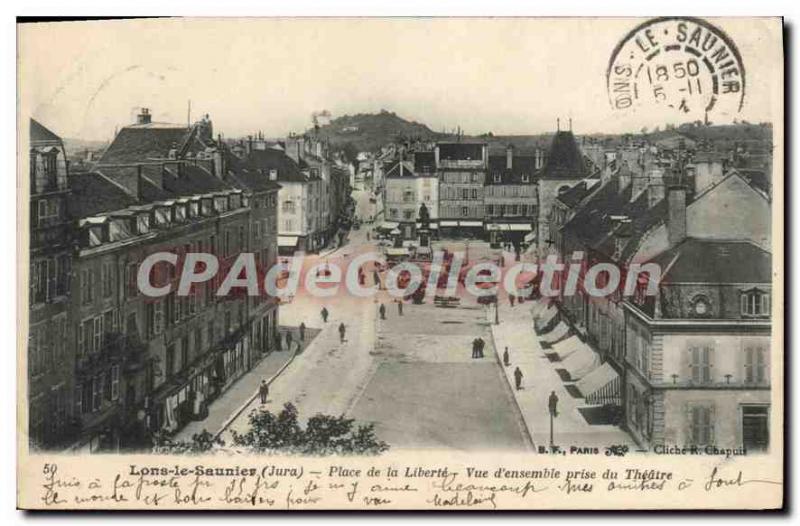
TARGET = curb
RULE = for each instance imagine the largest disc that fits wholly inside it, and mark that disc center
(249, 401)
(523, 424)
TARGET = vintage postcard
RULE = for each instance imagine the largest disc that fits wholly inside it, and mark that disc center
(401, 263)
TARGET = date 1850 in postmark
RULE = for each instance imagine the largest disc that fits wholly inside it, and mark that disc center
(682, 63)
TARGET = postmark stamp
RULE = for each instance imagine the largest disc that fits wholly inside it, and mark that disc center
(682, 63)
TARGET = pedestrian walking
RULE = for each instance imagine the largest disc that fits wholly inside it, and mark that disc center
(324, 314)
(476, 348)
(367, 235)
(342, 330)
(518, 378)
(552, 403)
(400, 307)
(382, 311)
(263, 391)
(506, 361)
(302, 331)
(511, 299)
(481, 346)
(289, 339)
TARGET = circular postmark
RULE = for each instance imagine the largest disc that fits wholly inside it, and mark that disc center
(684, 64)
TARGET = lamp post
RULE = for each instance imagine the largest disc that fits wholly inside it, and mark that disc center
(497, 310)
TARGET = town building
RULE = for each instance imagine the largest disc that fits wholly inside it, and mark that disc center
(461, 169)
(50, 379)
(408, 184)
(511, 197)
(143, 366)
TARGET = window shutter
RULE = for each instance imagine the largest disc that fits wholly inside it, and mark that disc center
(711, 421)
(743, 301)
(765, 304)
(748, 364)
(694, 360)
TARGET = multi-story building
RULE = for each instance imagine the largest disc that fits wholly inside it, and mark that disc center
(49, 347)
(461, 168)
(565, 166)
(698, 353)
(408, 185)
(510, 197)
(144, 365)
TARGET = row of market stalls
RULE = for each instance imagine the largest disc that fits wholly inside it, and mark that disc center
(578, 364)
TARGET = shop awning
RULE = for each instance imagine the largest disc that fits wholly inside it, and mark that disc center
(393, 251)
(566, 348)
(388, 225)
(508, 227)
(582, 362)
(530, 237)
(558, 332)
(287, 241)
(471, 223)
(448, 223)
(601, 386)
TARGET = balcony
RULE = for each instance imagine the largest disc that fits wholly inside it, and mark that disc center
(117, 349)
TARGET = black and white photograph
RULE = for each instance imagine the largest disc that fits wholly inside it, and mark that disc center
(400, 263)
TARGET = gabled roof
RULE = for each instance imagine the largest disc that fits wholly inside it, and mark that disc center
(140, 143)
(714, 261)
(394, 170)
(565, 159)
(38, 133)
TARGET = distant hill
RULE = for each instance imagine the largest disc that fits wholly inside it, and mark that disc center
(370, 131)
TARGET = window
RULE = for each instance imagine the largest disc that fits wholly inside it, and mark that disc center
(464, 211)
(132, 288)
(242, 239)
(701, 425)
(184, 352)
(97, 334)
(755, 302)
(170, 360)
(227, 244)
(107, 278)
(474, 193)
(97, 391)
(155, 317)
(701, 306)
(496, 178)
(755, 364)
(288, 207)
(700, 363)
(525, 178)
(115, 382)
(86, 286)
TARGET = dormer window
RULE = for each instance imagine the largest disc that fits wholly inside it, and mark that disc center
(526, 178)
(207, 207)
(194, 209)
(755, 303)
(95, 235)
(221, 204)
(496, 178)
(701, 306)
(180, 213)
(143, 223)
(162, 216)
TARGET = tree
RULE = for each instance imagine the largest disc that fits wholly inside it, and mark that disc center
(323, 434)
(201, 443)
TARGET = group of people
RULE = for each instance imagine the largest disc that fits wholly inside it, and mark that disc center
(478, 344)
(342, 328)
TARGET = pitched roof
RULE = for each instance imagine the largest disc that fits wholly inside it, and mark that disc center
(91, 194)
(715, 261)
(394, 170)
(565, 159)
(520, 165)
(258, 163)
(38, 133)
(578, 192)
(139, 143)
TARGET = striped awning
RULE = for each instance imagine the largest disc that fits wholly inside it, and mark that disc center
(602, 386)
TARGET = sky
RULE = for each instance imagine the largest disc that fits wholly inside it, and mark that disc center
(504, 75)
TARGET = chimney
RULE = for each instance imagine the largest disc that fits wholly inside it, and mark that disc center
(144, 116)
(219, 163)
(676, 214)
(624, 175)
(509, 157)
(273, 174)
(249, 144)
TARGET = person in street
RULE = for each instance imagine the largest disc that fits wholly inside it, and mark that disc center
(367, 235)
(481, 346)
(302, 331)
(552, 403)
(342, 330)
(324, 314)
(511, 299)
(382, 311)
(476, 348)
(263, 391)
(518, 378)
(278, 341)
(289, 339)
(506, 361)
(400, 307)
